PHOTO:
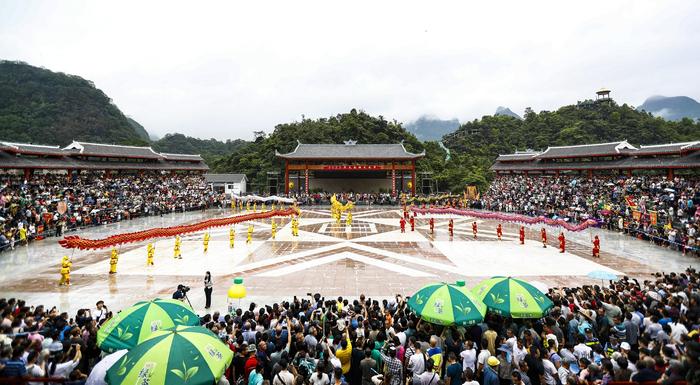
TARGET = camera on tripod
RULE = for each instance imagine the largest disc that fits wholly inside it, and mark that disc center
(181, 293)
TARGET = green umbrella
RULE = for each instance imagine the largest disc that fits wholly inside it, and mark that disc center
(512, 297)
(132, 325)
(190, 355)
(447, 304)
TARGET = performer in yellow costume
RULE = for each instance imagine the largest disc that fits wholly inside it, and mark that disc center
(348, 220)
(231, 237)
(150, 252)
(113, 259)
(295, 227)
(176, 251)
(274, 229)
(65, 271)
(23, 235)
(247, 206)
(255, 207)
(249, 239)
(206, 241)
(263, 207)
(273, 206)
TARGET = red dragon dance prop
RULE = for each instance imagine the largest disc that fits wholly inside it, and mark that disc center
(75, 242)
(509, 217)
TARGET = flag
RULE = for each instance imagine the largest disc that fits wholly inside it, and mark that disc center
(630, 201)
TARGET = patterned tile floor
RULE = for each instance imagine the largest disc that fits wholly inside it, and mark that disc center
(372, 256)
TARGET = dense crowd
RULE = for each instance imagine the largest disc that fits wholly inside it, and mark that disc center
(31, 208)
(648, 207)
(627, 331)
(369, 199)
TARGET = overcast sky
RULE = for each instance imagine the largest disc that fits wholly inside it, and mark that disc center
(227, 69)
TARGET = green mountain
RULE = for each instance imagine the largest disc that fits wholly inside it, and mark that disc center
(476, 144)
(45, 107)
(505, 111)
(210, 149)
(672, 108)
(140, 130)
(431, 128)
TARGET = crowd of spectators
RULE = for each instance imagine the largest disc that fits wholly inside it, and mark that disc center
(31, 208)
(368, 199)
(610, 200)
(625, 331)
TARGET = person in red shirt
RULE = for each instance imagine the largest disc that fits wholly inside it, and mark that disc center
(451, 227)
(413, 223)
(403, 225)
(499, 231)
(596, 247)
(522, 235)
(544, 238)
(251, 362)
(474, 229)
(562, 242)
(432, 225)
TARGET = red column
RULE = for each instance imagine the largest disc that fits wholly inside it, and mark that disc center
(590, 174)
(629, 172)
(413, 178)
(393, 179)
(69, 174)
(306, 180)
(669, 174)
(286, 176)
(556, 173)
(27, 173)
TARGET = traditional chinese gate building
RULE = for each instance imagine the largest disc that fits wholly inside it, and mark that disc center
(350, 167)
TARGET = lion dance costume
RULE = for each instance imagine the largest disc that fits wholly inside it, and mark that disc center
(65, 271)
(113, 259)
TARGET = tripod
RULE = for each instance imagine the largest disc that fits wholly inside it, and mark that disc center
(188, 300)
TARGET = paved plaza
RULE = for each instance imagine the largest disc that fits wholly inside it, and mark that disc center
(372, 256)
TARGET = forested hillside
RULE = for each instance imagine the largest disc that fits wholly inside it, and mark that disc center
(258, 157)
(45, 107)
(476, 144)
(210, 149)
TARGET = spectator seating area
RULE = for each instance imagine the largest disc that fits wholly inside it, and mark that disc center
(628, 331)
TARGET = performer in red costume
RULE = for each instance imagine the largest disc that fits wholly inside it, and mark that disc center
(596, 247)
(499, 231)
(451, 227)
(432, 225)
(413, 223)
(522, 235)
(562, 242)
(474, 229)
(403, 225)
(544, 238)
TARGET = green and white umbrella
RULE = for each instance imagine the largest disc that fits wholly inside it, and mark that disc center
(447, 304)
(134, 324)
(190, 355)
(512, 297)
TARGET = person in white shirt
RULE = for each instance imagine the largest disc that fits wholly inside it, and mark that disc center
(484, 355)
(519, 353)
(550, 371)
(57, 368)
(582, 350)
(469, 357)
(417, 363)
(100, 313)
(283, 377)
(677, 330)
(34, 369)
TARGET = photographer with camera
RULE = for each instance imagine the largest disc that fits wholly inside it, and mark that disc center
(181, 293)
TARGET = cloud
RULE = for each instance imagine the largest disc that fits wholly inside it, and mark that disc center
(225, 69)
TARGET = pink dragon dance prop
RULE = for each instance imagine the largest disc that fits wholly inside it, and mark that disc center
(508, 217)
(75, 242)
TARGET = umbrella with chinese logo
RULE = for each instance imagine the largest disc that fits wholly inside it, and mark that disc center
(190, 355)
(447, 304)
(134, 324)
(512, 297)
